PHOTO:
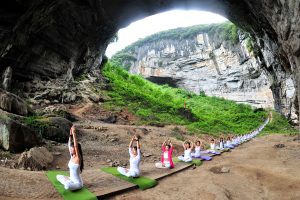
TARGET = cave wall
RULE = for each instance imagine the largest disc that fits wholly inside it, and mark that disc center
(57, 39)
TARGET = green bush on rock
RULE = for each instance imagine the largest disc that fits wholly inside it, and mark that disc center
(52, 128)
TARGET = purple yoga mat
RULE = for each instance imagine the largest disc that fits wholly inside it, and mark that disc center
(215, 153)
(207, 158)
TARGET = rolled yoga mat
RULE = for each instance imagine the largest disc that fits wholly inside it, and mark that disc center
(143, 182)
(82, 194)
(197, 162)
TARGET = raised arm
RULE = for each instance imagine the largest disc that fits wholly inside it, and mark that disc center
(138, 144)
(192, 145)
(170, 143)
(183, 144)
(69, 142)
(164, 143)
(130, 143)
(75, 141)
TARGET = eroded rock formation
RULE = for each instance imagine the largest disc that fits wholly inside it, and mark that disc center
(204, 62)
(59, 39)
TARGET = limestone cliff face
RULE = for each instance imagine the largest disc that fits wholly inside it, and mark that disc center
(204, 63)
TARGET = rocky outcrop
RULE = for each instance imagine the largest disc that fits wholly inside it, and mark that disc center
(15, 136)
(37, 158)
(53, 39)
(204, 63)
(12, 103)
(55, 128)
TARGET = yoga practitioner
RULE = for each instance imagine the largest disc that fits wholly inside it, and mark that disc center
(221, 144)
(197, 145)
(187, 146)
(74, 182)
(228, 143)
(212, 149)
(166, 158)
(135, 159)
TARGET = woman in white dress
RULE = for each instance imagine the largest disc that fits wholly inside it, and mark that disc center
(135, 159)
(74, 182)
(187, 146)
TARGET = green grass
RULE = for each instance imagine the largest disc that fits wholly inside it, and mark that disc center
(155, 104)
(279, 125)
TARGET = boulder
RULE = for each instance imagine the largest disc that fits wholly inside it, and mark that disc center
(12, 103)
(58, 129)
(37, 158)
(15, 136)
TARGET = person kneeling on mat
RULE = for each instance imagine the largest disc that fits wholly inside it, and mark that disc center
(166, 158)
(74, 182)
(135, 159)
(187, 157)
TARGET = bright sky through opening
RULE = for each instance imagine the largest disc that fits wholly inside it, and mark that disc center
(160, 22)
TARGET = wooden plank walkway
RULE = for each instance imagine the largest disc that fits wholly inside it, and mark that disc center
(104, 185)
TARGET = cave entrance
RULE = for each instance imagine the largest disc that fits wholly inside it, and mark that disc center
(210, 55)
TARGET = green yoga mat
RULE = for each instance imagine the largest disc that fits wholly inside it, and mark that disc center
(197, 162)
(143, 182)
(82, 194)
(225, 150)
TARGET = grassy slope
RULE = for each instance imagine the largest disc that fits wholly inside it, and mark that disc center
(161, 105)
(279, 125)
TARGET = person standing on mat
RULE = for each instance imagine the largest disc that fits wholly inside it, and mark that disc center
(74, 182)
(187, 146)
(135, 159)
(166, 158)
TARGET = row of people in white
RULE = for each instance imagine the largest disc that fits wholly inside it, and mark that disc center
(230, 143)
(74, 182)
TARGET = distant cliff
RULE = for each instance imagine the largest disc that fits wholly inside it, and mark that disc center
(215, 59)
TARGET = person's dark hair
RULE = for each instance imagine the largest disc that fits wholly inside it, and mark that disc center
(198, 142)
(187, 142)
(80, 155)
(168, 146)
(135, 147)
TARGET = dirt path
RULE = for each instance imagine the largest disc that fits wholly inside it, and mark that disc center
(257, 171)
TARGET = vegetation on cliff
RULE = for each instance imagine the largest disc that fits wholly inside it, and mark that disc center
(159, 105)
(226, 31)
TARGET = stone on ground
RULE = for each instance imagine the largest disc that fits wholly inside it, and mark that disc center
(37, 158)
